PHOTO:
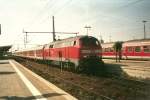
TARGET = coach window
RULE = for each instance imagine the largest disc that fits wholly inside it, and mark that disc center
(146, 48)
(106, 49)
(111, 50)
(130, 49)
(137, 49)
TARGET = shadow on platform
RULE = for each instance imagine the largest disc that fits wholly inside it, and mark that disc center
(115, 69)
(4, 62)
(4, 73)
(31, 97)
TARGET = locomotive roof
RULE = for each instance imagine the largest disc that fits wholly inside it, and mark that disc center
(71, 38)
(81, 36)
(58, 41)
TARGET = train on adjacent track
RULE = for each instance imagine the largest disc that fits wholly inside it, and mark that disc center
(77, 51)
(133, 49)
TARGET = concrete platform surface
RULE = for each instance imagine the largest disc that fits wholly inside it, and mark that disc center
(134, 68)
(19, 83)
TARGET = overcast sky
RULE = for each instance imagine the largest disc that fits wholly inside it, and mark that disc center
(120, 19)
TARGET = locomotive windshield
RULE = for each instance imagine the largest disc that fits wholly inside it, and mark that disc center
(89, 41)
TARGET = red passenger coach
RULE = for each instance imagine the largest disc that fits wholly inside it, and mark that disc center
(108, 50)
(33, 53)
(133, 49)
(137, 49)
(72, 50)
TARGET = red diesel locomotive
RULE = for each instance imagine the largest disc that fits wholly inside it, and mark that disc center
(71, 50)
(133, 49)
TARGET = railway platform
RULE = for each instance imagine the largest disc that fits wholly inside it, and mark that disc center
(134, 68)
(19, 83)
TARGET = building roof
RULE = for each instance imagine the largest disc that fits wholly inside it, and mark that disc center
(4, 48)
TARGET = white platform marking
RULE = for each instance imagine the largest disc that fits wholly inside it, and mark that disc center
(50, 85)
(35, 92)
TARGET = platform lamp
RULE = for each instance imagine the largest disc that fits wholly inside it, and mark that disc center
(87, 27)
(144, 29)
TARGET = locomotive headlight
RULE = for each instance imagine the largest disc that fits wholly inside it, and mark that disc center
(85, 56)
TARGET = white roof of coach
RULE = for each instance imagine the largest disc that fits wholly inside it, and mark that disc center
(137, 42)
(33, 48)
(107, 45)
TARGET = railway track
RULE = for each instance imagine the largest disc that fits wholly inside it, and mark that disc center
(88, 94)
(84, 90)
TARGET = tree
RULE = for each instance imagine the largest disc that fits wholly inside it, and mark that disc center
(118, 47)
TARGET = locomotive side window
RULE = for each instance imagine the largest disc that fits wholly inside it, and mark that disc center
(51, 46)
(146, 48)
(74, 43)
(138, 49)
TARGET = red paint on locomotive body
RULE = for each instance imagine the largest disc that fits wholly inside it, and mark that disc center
(66, 50)
(130, 49)
(72, 49)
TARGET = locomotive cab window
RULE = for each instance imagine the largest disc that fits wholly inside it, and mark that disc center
(89, 41)
(138, 49)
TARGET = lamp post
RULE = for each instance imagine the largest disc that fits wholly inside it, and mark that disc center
(87, 27)
(144, 29)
